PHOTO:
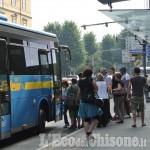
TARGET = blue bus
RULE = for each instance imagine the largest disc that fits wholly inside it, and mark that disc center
(30, 78)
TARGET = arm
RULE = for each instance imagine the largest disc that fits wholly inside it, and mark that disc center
(118, 88)
(128, 90)
(78, 94)
(95, 86)
(109, 88)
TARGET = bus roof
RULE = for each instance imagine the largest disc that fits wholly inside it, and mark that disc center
(16, 26)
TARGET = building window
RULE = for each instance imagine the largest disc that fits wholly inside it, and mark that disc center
(13, 2)
(23, 4)
(1, 3)
(24, 22)
(14, 19)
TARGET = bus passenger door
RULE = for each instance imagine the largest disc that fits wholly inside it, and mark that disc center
(47, 76)
(55, 64)
(5, 116)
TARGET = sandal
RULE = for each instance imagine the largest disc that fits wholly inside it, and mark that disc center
(144, 124)
(88, 133)
(89, 136)
(134, 126)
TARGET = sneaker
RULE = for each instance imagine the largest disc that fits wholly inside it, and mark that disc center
(121, 121)
(80, 126)
(72, 127)
(114, 118)
(66, 126)
(127, 116)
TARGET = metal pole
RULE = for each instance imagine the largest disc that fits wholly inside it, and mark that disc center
(144, 57)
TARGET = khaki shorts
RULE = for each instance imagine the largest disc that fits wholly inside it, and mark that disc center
(137, 103)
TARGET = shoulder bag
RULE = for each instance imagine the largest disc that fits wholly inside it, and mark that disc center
(89, 96)
(122, 92)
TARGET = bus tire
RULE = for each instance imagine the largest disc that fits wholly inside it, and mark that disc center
(41, 120)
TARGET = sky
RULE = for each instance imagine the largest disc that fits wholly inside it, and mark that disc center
(79, 11)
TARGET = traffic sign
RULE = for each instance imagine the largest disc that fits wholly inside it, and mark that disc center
(138, 63)
(131, 43)
(125, 56)
(132, 58)
(136, 52)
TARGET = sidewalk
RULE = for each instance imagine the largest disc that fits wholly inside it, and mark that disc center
(114, 136)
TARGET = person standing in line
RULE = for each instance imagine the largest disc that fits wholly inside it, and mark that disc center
(119, 99)
(103, 89)
(114, 84)
(88, 110)
(73, 111)
(125, 79)
(108, 79)
(80, 75)
(65, 86)
(137, 98)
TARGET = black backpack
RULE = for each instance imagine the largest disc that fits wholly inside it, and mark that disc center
(71, 98)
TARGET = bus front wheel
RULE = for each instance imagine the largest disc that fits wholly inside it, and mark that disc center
(41, 120)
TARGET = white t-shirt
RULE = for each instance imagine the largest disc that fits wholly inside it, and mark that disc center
(108, 79)
(124, 79)
(102, 89)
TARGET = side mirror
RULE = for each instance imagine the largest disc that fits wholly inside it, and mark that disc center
(67, 52)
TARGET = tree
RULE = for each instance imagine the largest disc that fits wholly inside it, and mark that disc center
(91, 48)
(54, 28)
(121, 43)
(90, 43)
(69, 34)
(106, 45)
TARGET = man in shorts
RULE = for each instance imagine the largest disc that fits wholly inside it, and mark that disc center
(137, 98)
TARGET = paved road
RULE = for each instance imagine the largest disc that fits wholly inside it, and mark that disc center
(116, 134)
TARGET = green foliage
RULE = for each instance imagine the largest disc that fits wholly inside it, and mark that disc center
(121, 44)
(86, 51)
(69, 34)
(90, 42)
(107, 45)
(53, 28)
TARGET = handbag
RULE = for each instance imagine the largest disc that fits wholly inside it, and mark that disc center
(89, 96)
(98, 101)
(122, 92)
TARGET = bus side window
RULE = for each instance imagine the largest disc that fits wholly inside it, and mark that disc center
(16, 60)
(22, 61)
(44, 64)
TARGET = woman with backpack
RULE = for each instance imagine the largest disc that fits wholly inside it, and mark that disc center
(89, 112)
(72, 105)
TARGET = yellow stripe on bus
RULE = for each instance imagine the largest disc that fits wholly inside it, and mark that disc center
(38, 85)
(5, 135)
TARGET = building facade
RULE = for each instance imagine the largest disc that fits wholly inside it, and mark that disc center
(17, 11)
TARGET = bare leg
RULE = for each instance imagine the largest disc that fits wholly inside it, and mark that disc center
(134, 117)
(142, 117)
(93, 125)
(86, 126)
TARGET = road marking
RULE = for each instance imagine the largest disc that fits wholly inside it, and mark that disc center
(47, 145)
